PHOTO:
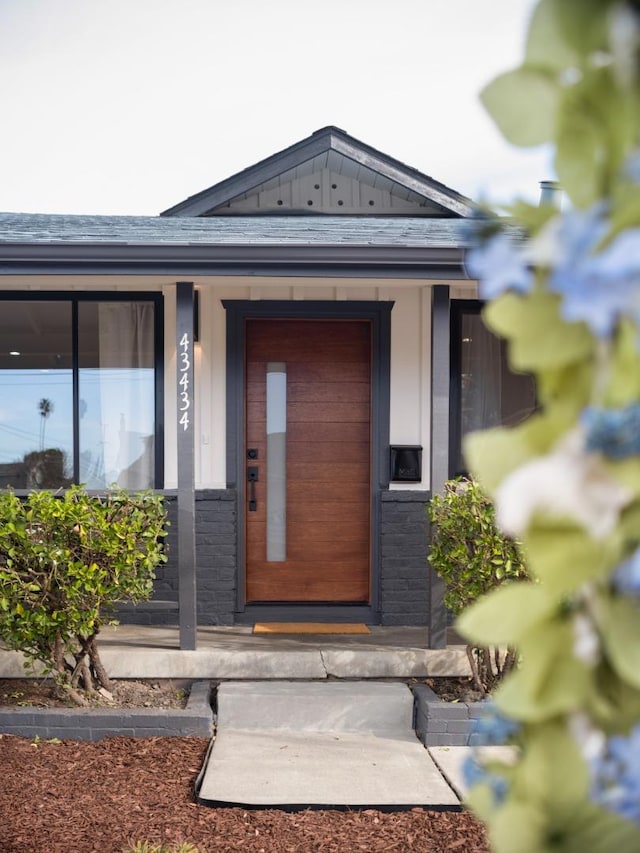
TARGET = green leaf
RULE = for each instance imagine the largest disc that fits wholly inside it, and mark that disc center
(564, 557)
(503, 616)
(595, 830)
(523, 103)
(621, 637)
(552, 770)
(550, 681)
(597, 128)
(518, 827)
(526, 320)
(494, 453)
(547, 45)
(623, 386)
(583, 23)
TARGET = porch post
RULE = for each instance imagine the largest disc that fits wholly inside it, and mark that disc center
(186, 465)
(439, 456)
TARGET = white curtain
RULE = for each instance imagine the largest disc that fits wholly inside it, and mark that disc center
(126, 366)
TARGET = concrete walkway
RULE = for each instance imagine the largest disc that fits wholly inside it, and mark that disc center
(134, 651)
(320, 744)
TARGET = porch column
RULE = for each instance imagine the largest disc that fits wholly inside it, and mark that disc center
(439, 456)
(186, 465)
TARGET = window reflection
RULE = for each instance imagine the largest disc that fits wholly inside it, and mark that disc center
(114, 367)
(36, 395)
(489, 393)
(116, 377)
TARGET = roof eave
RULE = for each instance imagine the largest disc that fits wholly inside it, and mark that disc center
(230, 259)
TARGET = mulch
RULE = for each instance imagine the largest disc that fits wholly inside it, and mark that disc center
(79, 797)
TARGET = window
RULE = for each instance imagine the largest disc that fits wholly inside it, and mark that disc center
(80, 391)
(485, 392)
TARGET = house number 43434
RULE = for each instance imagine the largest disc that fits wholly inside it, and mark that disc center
(183, 381)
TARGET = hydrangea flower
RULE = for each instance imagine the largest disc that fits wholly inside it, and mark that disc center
(586, 642)
(500, 265)
(613, 432)
(566, 482)
(474, 773)
(597, 287)
(493, 728)
(615, 775)
(626, 577)
(632, 167)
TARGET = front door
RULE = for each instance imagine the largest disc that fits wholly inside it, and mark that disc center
(308, 460)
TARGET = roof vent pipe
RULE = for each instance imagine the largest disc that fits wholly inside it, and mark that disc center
(551, 193)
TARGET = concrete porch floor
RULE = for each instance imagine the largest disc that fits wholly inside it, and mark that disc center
(235, 653)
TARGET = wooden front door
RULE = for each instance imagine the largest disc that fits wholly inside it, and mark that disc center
(308, 460)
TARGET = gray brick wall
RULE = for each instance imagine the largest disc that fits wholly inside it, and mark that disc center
(95, 724)
(404, 536)
(439, 723)
(216, 550)
(217, 555)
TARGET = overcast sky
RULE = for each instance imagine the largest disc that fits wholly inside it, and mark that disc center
(130, 106)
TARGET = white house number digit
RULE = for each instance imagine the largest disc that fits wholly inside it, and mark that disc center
(183, 382)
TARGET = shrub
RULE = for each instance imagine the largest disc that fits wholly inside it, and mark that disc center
(65, 560)
(473, 557)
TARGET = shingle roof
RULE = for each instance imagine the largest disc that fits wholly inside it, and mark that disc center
(240, 230)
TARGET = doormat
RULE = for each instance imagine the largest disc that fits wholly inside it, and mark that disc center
(310, 628)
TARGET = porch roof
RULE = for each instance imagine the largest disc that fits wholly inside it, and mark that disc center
(236, 230)
(336, 246)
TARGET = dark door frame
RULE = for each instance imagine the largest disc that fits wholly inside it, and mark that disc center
(379, 313)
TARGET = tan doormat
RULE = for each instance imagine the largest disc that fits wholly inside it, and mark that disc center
(310, 628)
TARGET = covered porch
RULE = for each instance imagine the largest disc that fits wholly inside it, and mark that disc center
(235, 652)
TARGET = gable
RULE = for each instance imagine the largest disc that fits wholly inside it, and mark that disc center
(331, 184)
(330, 173)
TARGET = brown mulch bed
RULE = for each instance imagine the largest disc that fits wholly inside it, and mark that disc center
(455, 689)
(102, 797)
(43, 693)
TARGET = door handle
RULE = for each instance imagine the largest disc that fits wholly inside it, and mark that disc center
(252, 478)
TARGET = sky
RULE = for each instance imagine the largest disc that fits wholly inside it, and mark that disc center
(130, 106)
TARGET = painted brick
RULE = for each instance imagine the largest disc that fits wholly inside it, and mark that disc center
(82, 724)
(452, 710)
(448, 740)
(437, 726)
(458, 727)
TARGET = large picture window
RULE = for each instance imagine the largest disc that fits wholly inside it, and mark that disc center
(485, 392)
(80, 396)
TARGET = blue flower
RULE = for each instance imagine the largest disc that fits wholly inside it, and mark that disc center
(493, 728)
(499, 264)
(626, 577)
(473, 773)
(615, 776)
(597, 288)
(632, 166)
(613, 432)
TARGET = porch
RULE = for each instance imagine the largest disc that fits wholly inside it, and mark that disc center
(235, 652)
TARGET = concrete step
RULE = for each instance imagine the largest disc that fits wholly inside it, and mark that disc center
(299, 744)
(316, 706)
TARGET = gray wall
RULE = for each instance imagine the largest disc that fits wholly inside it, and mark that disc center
(404, 576)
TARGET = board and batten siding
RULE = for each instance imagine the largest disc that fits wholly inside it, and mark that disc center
(410, 361)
